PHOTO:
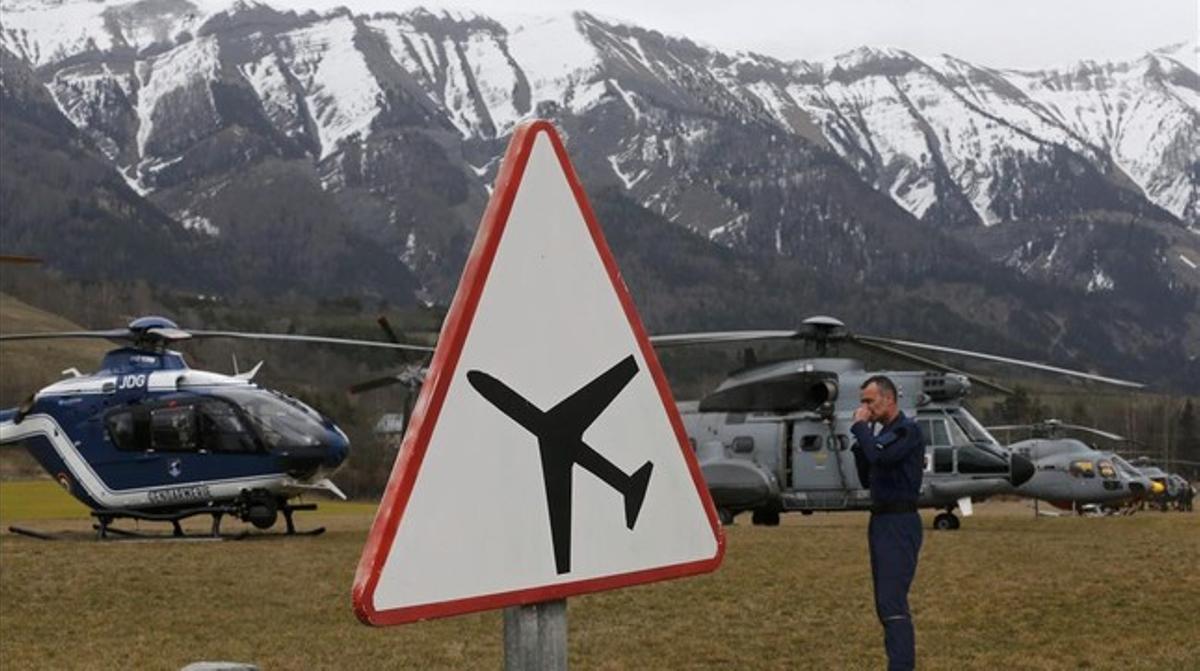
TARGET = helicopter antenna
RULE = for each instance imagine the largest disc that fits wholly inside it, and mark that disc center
(249, 375)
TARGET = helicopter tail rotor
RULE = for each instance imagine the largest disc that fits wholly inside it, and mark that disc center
(411, 376)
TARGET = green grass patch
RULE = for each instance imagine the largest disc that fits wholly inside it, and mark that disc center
(37, 500)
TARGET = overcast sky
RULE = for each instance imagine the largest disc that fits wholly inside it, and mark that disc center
(1012, 33)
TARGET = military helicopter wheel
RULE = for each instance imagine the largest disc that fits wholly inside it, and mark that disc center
(765, 518)
(946, 522)
(259, 508)
(725, 516)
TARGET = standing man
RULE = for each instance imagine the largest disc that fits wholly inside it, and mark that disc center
(892, 461)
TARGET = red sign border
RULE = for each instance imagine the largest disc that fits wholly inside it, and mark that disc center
(433, 394)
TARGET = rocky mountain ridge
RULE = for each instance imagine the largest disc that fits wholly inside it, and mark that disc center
(931, 173)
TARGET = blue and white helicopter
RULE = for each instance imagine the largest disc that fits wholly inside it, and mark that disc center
(148, 438)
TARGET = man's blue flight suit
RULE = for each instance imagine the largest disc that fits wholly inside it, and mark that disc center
(893, 462)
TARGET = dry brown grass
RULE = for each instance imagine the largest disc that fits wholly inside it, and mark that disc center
(1007, 591)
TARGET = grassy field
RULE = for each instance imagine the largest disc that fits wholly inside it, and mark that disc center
(1006, 591)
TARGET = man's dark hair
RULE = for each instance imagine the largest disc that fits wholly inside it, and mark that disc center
(884, 384)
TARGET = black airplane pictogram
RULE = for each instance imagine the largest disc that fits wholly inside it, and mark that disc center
(559, 432)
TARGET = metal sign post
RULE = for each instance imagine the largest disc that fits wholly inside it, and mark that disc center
(535, 636)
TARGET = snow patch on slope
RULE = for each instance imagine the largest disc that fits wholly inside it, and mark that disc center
(339, 90)
(554, 74)
(173, 81)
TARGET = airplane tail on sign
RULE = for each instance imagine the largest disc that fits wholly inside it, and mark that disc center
(635, 492)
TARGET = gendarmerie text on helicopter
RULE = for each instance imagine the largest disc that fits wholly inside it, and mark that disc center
(148, 438)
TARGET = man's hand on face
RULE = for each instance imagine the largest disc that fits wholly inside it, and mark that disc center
(861, 414)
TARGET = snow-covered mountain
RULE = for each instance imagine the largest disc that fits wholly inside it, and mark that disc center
(946, 139)
(228, 115)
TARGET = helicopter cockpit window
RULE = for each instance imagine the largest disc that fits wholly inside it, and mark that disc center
(279, 422)
(1126, 468)
(1082, 469)
(222, 430)
(981, 459)
(173, 429)
(973, 429)
(943, 460)
(121, 430)
(1106, 469)
(957, 435)
(934, 431)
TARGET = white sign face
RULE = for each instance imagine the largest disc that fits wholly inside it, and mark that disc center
(545, 456)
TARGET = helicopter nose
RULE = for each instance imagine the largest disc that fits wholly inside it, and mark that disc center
(1022, 470)
(337, 448)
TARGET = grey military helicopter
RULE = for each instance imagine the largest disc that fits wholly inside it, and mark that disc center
(770, 458)
(775, 438)
(1072, 474)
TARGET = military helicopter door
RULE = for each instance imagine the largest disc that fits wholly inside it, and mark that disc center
(754, 441)
(815, 452)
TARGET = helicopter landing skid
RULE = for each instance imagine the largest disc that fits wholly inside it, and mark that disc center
(33, 533)
(105, 519)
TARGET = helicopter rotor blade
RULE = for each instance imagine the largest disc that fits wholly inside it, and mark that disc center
(112, 334)
(377, 383)
(1009, 427)
(983, 382)
(18, 258)
(311, 339)
(1001, 359)
(167, 333)
(387, 329)
(1098, 432)
(408, 377)
(713, 337)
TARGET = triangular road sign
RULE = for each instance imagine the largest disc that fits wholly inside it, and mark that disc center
(545, 456)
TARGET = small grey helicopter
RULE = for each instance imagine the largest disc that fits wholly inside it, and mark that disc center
(1170, 488)
(1072, 474)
